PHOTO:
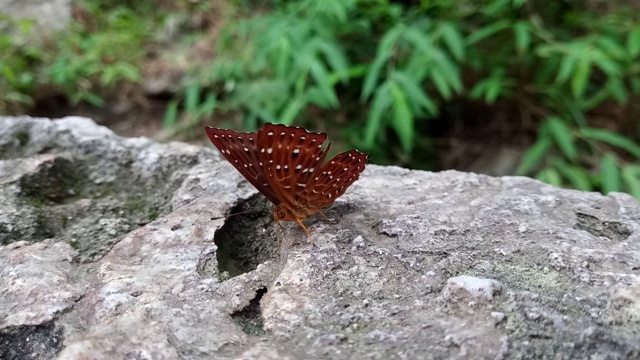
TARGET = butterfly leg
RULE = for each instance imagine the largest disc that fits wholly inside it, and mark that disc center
(304, 228)
(327, 219)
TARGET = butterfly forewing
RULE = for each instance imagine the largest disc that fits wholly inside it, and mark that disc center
(333, 179)
(291, 157)
(241, 150)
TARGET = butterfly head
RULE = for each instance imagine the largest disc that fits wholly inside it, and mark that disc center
(283, 213)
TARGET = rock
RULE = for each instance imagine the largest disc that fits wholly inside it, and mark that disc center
(126, 248)
(476, 287)
(48, 14)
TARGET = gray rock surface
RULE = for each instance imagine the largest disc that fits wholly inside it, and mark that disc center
(48, 14)
(116, 248)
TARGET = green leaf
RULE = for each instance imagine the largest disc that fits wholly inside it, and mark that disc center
(384, 52)
(612, 49)
(415, 92)
(380, 105)
(292, 110)
(494, 87)
(616, 89)
(611, 138)
(441, 84)
(420, 40)
(336, 59)
(534, 155)
(581, 78)
(452, 38)
(567, 67)
(170, 115)
(282, 57)
(522, 32)
(578, 177)
(321, 78)
(403, 118)
(633, 42)
(192, 98)
(610, 173)
(550, 176)
(631, 177)
(563, 137)
(487, 31)
(478, 89)
(448, 69)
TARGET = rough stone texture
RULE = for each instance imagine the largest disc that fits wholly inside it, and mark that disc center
(420, 265)
(49, 14)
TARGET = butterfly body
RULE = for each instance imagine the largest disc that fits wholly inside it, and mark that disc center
(287, 165)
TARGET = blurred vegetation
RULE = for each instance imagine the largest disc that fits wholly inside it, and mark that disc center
(380, 71)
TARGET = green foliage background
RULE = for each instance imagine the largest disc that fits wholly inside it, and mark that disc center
(378, 70)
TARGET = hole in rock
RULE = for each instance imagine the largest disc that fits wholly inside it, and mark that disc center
(31, 341)
(613, 230)
(247, 239)
(250, 317)
(53, 182)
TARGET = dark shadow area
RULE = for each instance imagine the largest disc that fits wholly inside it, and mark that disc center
(31, 342)
(250, 317)
(247, 239)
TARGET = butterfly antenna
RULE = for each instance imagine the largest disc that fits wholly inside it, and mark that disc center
(234, 214)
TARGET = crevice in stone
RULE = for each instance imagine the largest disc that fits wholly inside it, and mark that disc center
(42, 341)
(613, 230)
(250, 317)
(247, 239)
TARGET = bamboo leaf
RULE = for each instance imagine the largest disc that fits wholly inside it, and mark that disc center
(578, 177)
(611, 138)
(610, 173)
(292, 110)
(379, 107)
(415, 92)
(581, 78)
(550, 176)
(534, 155)
(563, 137)
(631, 176)
(633, 42)
(522, 32)
(403, 117)
(452, 38)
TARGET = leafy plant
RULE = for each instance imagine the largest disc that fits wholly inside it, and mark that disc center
(88, 61)
(563, 156)
(17, 57)
(403, 64)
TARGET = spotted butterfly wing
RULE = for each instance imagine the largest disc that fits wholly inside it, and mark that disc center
(291, 157)
(333, 179)
(241, 150)
(286, 164)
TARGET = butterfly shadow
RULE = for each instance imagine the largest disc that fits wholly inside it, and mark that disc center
(335, 212)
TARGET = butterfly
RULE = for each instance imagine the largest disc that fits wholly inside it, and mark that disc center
(287, 165)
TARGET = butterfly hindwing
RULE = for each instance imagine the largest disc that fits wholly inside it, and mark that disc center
(291, 157)
(333, 179)
(241, 150)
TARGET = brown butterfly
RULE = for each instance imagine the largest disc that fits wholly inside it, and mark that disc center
(286, 164)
